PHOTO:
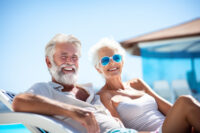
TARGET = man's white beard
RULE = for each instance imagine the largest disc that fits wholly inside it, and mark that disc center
(59, 76)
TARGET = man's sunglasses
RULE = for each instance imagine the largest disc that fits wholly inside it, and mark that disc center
(105, 60)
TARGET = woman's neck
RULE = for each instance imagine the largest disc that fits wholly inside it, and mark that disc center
(114, 83)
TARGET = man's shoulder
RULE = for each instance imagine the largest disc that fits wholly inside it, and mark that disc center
(40, 88)
(41, 84)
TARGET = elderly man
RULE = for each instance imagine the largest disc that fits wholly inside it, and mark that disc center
(62, 96)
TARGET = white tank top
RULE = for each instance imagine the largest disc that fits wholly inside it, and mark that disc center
(141, 114)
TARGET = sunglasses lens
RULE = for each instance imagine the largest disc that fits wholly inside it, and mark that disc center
(105, 61)
(117, 58)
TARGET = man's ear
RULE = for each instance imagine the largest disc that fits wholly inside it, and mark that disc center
(98, 69)
(48, 62)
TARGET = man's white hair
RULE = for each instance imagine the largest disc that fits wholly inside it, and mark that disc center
(61, 38)
(105, 42)
(55, 70)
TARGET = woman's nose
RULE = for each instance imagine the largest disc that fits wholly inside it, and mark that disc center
(111, 61)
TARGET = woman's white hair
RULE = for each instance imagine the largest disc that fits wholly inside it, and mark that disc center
(61, 38)
(105, 42)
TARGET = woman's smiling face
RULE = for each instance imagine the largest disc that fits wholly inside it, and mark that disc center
(113, 68)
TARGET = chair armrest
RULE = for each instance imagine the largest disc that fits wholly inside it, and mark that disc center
(47, 123)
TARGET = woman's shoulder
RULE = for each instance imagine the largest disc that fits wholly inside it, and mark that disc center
(103, 93)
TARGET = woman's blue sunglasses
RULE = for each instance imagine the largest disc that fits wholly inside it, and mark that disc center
(105, 60)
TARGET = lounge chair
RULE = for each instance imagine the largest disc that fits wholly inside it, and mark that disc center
(163, 89)
(181, 87)
(36, 123)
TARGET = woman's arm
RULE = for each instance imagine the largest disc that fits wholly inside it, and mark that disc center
(42, 105)
(163, 105)
(106, 99)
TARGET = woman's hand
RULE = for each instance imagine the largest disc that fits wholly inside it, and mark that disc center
(163, 105)
(139, 84)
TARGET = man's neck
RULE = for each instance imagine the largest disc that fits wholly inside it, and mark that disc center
(67, 87)
(79, 92)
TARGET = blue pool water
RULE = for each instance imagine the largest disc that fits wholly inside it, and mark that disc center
(14, 128)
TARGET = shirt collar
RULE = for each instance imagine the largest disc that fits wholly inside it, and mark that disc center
(87, 87)
(56, 86)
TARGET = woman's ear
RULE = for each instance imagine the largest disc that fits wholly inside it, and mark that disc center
(99, 70)
(48, 62)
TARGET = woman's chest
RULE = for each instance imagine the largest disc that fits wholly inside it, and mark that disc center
(125, 96)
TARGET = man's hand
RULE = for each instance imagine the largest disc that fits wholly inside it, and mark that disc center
(87, 119)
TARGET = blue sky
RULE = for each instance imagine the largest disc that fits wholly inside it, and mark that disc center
(27, 25)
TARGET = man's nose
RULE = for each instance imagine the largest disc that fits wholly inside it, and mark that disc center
(69, 60)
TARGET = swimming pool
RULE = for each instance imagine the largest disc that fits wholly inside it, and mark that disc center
(14, 128)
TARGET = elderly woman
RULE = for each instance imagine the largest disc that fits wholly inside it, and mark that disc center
(134, 102)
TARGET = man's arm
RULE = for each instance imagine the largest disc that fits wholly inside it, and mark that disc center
(42, 105)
